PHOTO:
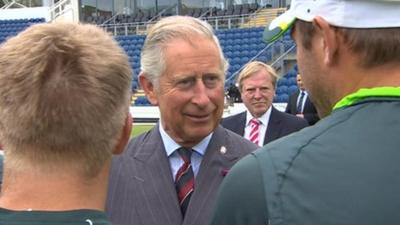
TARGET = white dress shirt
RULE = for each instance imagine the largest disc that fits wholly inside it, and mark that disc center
(175, 160)
(263, 126)
(304, 100)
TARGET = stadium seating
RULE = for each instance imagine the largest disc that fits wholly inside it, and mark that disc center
(9, 28)
(240, 46)
(286, 86)
(144, 15)
(142, 101)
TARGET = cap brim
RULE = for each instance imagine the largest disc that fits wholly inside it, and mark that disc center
(278, 27)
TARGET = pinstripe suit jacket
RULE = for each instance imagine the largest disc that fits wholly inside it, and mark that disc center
(142, 191)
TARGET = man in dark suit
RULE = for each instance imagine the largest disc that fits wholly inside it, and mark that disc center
(300, 104)
(171, 174)
(261, 122)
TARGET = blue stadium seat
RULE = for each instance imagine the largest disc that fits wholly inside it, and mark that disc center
(261, 46)
(292, 73)
(282, 98)
(236, 47)
(142, 101)
(292, 89)
(134, 85)
(253, 53)
(244, 60)
(245, 52)
(229, 42)
(253, 46)
(229, 54)
(246, 34)
(281, 89)
(235, 61)
(283, 81)
(236, 54)
(9, 28)
(262, 58)
(236, 67)
(292, 81)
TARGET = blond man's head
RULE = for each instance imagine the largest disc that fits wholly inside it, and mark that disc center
(64, 96)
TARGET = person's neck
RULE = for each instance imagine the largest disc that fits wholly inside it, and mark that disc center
(53, 192)
(382, 76)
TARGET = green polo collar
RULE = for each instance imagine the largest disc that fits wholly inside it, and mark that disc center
(367, 92)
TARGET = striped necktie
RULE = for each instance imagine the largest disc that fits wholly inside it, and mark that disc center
(299, 108)
(184, 179)
(255, 130)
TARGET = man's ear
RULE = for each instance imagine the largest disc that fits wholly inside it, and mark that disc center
(330, 41)
(125, 135)
(148, 88)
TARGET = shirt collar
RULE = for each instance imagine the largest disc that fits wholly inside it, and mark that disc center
(363, 93)
(264, 118)
(170, 145)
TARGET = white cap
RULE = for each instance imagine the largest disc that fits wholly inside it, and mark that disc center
(340, 13)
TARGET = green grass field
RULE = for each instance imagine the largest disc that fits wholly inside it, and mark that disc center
(139, 128)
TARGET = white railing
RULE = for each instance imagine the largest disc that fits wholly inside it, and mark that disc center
(139, 28)
(136, 28)
(66, 10)
(8, 4)
(228, 22)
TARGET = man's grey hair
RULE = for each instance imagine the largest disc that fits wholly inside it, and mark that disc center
(166, 30)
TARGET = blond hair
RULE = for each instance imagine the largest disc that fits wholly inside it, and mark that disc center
(253, 67)
(166, 30)
(64, 96)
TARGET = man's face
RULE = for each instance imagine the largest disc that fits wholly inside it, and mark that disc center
(300, 82)
(258, 92)
(312, 74)
(191, 90)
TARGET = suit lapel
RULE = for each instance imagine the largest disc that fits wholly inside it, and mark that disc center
(157, 197)
(273, 129)
(213, 168)
(241, 123)
(308, 106)
(294, 104)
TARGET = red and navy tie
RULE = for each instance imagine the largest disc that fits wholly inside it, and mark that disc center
(184, 179)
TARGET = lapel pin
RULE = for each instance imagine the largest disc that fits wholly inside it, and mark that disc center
(224, 172)
(222, 150)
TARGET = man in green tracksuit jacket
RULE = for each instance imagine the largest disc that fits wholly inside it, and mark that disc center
(64, 101)
(345, 169)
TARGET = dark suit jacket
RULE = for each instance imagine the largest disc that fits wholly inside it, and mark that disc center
(309, 111)
(142, 191)
(280, 124)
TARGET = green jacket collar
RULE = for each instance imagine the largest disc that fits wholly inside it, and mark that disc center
(363, 93)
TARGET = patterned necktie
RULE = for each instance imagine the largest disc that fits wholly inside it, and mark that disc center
(255, 130)
(299, 108)
(184, 179)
